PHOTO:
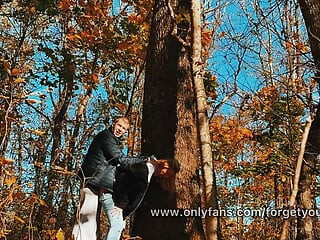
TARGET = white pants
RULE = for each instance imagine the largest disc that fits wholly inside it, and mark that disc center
(85, 227)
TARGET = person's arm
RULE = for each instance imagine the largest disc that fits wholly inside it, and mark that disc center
(113, 153)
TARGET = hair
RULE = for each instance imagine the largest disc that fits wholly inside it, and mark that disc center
(174, 164)
(125, 119)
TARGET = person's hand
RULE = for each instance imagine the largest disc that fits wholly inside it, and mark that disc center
(153, 160)
(116, 212)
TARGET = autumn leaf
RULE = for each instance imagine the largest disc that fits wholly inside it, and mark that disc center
(222, 34)
(60, 235)
(61, 170)
(4, 161)
(32, 10)
(94, 78)
(133, 18)
(288, 45)
(38, 132)
(206, 37)
(32, 101)
(15, 72)
(247, 133)
(283, 178)
(65, 5)
(123, 45)
(19, 80)
(73, 37)
(38, 164)
(302, 47)
(36, 198)
(130, 141)
(19, 219)
(9, 180)
(121, 107)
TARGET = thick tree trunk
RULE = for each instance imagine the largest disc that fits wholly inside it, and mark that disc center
(169, 130)
(311, 13)
(306, 196)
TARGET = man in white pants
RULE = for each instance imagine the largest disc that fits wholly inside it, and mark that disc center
(98, 174)
(85, 227)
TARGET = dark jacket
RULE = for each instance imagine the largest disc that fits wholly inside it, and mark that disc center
(104, 154)
(130, 187)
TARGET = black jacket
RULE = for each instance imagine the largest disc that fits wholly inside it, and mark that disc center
(104, 154)
(130, 187)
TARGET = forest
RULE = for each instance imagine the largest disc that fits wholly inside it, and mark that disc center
(228, 88)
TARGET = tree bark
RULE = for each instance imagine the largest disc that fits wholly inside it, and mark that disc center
(169, 130)
(306, 196)
(311, 13)
(295, 189)
(210, 190)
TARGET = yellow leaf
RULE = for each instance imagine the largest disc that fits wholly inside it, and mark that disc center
(36, 198)
(42, 202)
(38, 164)
(32, 10)
(10, 180)
(60, 235)
(19, 80)
(37, 132)
(32, 101)
(19, 219)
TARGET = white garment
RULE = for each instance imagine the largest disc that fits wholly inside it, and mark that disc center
(85, 227)
(151, 169)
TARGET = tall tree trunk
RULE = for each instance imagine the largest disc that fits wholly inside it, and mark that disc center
(169, 130)
(311, 14)
(297, 174)
(210, 189)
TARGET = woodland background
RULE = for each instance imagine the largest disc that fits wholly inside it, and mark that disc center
(68, 67)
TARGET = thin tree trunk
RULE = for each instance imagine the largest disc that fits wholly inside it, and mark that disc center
(210, 191)
(294, 193)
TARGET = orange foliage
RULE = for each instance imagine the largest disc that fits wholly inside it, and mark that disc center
(65, 4)
(94, 78)
(288, 45)
(124, 45)
(268, 92)
(265, 97)
(222, 34)
(301, 47)
(206, 37)
(5, 161)
(15, 72)
(229, 131)
(206, 40)
(137, 19)
(91, 81)
(96, 26)
(121, 107)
